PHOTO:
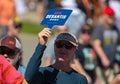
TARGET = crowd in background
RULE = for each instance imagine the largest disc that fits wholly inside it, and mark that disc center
(95, 23)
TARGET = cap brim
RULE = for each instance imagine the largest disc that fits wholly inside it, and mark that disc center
(68, 41)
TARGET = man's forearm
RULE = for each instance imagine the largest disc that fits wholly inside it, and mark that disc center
(34, 62)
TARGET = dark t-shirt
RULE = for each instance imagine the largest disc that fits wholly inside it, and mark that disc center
(87, 58)
(50, 75)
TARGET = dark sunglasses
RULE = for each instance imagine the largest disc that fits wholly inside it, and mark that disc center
(11, 53)
(86, 32)
(61, 45)
(18, 26)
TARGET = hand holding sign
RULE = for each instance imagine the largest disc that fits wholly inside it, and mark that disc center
(56, 17)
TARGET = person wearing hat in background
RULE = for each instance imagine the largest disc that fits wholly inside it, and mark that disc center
(7, 12)
(65, 48)
(11, 49)
(105, 41)
(14, 26)
(8, 74)
(86, 57)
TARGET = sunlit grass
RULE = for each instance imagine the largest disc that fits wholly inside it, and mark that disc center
(32, 28)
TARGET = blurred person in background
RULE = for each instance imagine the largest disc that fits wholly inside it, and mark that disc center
(77, 18)
(93, 9)
(116, 80)
(31, 4)
(58, 3)
(14, 26)
(49, 4)
(8, 74)
(86, 57)
(21, 8)
(115, 4)
(41, 9)
(11, 49)
(87, 6)
(49, 51)
(105, 41)
(7, 12)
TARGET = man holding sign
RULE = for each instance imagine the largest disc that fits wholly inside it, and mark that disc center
(65, 48)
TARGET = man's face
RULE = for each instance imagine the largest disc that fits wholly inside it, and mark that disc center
(110, 19)
(14, 30)
(64, 51)
(12, 56)
(86, 37)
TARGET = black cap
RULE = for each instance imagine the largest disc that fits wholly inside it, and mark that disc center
(67, 37)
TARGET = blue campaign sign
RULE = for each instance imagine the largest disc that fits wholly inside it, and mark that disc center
(56, 17)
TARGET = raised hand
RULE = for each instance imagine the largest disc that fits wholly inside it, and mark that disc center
(44, 35)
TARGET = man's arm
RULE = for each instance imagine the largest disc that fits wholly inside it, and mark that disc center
(97, 46)
(116, 80)
(35, 61)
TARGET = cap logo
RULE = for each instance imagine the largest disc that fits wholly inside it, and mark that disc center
(11, 42)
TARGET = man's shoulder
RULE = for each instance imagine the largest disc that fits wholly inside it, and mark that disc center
(79, 77)
(47, 69)
(78, 74)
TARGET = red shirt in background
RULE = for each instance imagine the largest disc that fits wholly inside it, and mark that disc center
(8, 74)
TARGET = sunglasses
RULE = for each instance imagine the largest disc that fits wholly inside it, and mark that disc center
(86, 32)
(18, 26)
(61, 45)
(11, 53)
